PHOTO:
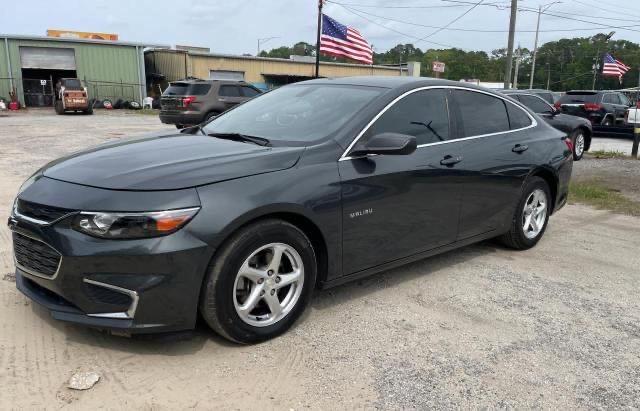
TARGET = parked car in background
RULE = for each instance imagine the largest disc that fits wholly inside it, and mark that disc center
(578, 128)
(546, 95)
(190, 102)
(310, 185)
(605, 108)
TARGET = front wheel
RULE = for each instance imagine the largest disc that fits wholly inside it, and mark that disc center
(259, 283)
(579, 144)
(531, 216)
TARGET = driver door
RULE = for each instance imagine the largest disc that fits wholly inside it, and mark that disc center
(395, 206)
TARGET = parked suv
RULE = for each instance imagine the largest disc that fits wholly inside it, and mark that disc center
(606, 108)
(189, 102)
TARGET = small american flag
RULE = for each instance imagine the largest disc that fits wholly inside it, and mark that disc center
(613, 67)
(339, 40)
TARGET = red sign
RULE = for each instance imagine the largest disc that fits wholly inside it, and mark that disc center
(438, 66)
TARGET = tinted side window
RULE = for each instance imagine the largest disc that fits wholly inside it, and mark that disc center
(229, 91)
(423, 114)
(249, 91)
(536, 104)
(481, 113)
(517, 117)
(548, 97)
(609, 99)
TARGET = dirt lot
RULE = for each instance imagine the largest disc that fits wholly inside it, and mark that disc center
(554, 327)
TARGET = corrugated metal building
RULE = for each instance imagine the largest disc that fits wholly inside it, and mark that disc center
(171, 65)
(31, 66)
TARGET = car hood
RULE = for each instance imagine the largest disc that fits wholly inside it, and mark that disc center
(169, 162)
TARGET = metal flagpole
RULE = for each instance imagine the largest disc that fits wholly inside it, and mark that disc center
(318, 38)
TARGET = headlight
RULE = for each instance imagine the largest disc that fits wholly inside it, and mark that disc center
(133, 225)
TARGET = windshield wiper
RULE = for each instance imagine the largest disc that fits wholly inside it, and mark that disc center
(261, 141)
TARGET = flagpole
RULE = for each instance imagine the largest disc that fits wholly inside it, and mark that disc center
(318, 38)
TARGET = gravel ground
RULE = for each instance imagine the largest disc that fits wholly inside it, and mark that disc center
(557, 326)
(621, 174)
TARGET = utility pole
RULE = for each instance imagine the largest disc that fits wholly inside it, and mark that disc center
(318, 38)
(264, 40)
(596, 60)
(515, 74)
(512, 34)
(548, 75)
(541, 9)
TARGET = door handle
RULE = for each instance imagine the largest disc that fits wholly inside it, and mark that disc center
(450, 160)
(520, 148)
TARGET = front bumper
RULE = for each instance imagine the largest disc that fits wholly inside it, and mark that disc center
(135, 286)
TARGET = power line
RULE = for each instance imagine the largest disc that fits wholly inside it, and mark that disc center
(467, 30)
(442, 6)
(396, 31)
(605, 10)
(453, 21)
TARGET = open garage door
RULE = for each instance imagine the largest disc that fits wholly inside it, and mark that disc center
(49, 58)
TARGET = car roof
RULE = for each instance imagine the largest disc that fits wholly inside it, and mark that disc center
(570, 92)
(392, 82)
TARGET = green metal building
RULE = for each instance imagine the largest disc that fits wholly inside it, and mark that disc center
(32, 65)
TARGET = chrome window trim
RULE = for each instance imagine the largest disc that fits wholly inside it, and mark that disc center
(130, 313)
(533, 124)
(35, 273)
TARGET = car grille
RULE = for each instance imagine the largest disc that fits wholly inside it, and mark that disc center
(41, 212)
(35, 256)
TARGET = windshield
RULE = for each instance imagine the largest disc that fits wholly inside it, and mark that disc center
(296, 113)
(72, 84)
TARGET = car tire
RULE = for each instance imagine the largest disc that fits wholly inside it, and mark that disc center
(529, 224)
(579, 144)
(239, 308)
(58, 107)
(607, 122)
(179, 126)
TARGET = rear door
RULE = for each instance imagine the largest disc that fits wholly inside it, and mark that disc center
(395, 206)
(249, 92)
(230, 95)
(497, 158)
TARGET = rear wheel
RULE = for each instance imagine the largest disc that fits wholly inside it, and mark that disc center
(607, 121)
(531, 216)
(259, 283)
(89, 110)
(579, 144)
(58, 107)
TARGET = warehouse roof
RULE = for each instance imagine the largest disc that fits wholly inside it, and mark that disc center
(72, 40)
(281, 60)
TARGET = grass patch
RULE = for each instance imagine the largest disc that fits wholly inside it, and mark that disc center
(596, 194)
(607, 154)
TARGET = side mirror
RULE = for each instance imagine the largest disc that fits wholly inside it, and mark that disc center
(387, 143)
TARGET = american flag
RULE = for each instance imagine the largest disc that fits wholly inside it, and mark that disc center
(613, 67)
(339, 40)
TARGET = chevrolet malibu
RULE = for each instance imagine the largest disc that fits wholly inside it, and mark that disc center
(310, 185)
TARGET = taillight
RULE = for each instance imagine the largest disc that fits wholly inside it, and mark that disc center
(592, 106)
(569, 143)
(638, 104)
(84, 94)
(186, 101)
(557, 105)
(66, 94)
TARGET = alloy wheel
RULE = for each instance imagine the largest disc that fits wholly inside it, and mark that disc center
(535, 214)
(579, 145)
(268, 284)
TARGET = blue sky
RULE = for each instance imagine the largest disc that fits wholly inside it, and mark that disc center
(233, 26)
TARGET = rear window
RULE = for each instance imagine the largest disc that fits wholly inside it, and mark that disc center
(578, 98)
(73, 84)
(187, 89)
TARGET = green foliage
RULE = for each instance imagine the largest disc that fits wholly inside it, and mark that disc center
(565, 64)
